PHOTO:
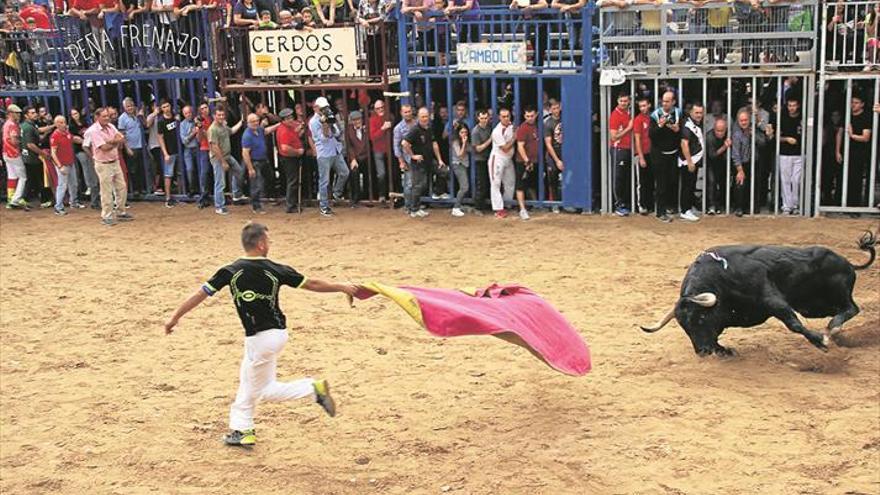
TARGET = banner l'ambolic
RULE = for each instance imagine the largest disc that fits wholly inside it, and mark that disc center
(490, 57)
(289, 52)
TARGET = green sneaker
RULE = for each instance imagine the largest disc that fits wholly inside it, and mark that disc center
(236, 438)
(323, 397)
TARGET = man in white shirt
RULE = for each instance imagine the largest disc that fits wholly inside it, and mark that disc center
(501, 171)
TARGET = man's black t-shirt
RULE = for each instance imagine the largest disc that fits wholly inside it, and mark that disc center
(859, 123)
(422, 143)
(168, 129)
(254, 285)
(791, 127)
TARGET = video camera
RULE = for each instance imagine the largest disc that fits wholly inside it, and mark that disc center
(327, 116)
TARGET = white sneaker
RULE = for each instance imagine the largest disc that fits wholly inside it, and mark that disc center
(422, 213)
(523, 215)
(445, 196)
(456, 212)
(689, 216)
(413, 214)
(435, 196)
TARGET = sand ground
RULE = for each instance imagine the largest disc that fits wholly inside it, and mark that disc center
(95, 399)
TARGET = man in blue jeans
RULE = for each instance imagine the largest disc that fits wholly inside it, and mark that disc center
(256, 157)
(222, 160)
(189, 137)
(325, 141)
(403, 160)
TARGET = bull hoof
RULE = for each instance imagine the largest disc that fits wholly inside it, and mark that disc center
(822, 343)
(724, 351)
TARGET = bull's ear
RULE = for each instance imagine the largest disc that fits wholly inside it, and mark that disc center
(706, 299)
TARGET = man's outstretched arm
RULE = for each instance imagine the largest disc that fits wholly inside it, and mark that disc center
(187, 306)
(322, 286)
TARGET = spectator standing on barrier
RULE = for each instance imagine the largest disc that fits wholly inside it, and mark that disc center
(369, 16)
(717, 144)
(718, 19)
(189, 138)
(465, 14)
(401, 130)
(131, 126)
(357, 137)
(380, 140)
(665, 143)
(325, 140)
(222, 160)
(622, 22)
(620, 132)
(326, 10)
(502, 173)
(16, 179)
(203, 123)
(87, 11)
(256, 158)
(64, 160)
(481, 143)
(751, 21)
(168, 125)
(419, 144)
(692, 152)
(290, 152)
(105, 141)
(460, 161)
(536, 31)
(859, 134)
(526, 165)
(741, 156)
(77, 128)
(641, 127)
(791, 159)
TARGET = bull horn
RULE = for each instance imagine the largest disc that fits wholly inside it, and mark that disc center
(666, 319)
(706, 299)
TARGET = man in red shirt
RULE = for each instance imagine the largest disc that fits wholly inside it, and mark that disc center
(16, 177)
(526, 159)
(35, 12)
(620, 127)
(203, 122)
(641, 124)
(380, 139)
(64, 159)
(290, 152)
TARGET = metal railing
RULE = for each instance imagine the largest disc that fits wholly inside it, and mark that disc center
(670, 37)
(376, 55)
(850, 36)
(31, 60)
(554, 41)
(155, 41)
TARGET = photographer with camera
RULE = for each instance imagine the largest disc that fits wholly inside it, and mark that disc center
(325, 141)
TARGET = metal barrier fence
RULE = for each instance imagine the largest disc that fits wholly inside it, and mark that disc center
(554, 41)
(767, 185)
(377, 62)
(850, 36)
(677, 37)
(31, 60)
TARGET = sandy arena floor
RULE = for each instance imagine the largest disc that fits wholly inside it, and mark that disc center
(95, 399)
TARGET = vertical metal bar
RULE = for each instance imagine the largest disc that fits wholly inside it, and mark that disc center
(820, 121)
(449, 102)
(846, 142)
(809, 127)
(472, 111)
(705, 191)
(875, 132)
(604, 95)
(541, 166)
(780, 96)
(754, 148)
(430, 105)
(731, 121)
(633, 168)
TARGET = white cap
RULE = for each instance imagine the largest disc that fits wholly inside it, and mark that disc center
(322, 102)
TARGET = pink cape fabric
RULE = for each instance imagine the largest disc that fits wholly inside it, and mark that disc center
(502, 311)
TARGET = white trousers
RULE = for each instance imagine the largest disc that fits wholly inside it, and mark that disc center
(501, 173)
(790, 169)
(257, 380)
(15, 170)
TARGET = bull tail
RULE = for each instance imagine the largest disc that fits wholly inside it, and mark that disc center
(868, 242)
(666, 319)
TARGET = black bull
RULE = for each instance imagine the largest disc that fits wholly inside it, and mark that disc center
(743, 286)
